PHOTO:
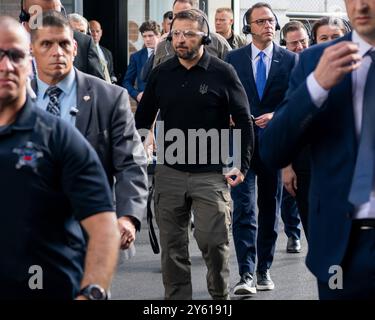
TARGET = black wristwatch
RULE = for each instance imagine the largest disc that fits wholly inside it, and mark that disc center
(94, 292)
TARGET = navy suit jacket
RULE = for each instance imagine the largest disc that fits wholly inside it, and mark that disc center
(330, 130)
(133, 73)
(282, 64)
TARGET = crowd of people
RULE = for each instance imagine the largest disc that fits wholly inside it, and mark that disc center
(243, 132)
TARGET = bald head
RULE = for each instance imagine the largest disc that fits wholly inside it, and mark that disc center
(10, 27)
(96, 30)
(15, 64)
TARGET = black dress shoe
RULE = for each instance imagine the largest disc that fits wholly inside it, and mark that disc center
(293, 246)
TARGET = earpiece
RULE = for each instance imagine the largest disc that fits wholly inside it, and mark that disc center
(307, 27)
(24, 16)
(206, 39)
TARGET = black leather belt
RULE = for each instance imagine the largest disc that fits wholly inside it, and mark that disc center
(364, 224)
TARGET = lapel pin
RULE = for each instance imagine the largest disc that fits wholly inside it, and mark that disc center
(86, 98)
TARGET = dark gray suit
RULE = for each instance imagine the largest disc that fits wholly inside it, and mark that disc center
(87, 59)
(106, 121)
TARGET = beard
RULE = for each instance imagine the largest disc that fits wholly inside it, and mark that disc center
(188, 54)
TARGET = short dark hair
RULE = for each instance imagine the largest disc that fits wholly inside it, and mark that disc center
(328, 21)
(52, 19)
(293, 26)
(194, 15)
(150, 26)
(257, 6)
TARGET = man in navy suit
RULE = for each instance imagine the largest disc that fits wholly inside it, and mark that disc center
(264, 69)
(330, 104)
(150, 31)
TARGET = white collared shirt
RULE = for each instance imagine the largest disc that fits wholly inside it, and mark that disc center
(149, 52)
(268, 54)
(320, 95)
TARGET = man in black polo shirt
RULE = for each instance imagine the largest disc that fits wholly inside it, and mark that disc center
(201, 94)
(51, 182)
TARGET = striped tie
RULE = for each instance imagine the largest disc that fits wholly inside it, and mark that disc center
(54, 103)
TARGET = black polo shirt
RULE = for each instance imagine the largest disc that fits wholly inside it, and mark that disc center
(202, 97)
(50, 180)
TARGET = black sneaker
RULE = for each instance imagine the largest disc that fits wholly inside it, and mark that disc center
(264, 281)
(293, 245)
(245, 285)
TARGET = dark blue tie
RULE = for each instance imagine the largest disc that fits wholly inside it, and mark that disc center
(363, 178)
(54, 103)
(261, 78)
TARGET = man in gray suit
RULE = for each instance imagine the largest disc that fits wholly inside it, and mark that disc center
(100, 111)
(87, 59)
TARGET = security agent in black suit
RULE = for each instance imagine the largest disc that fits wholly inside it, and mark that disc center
(87, 59)
(102, 114)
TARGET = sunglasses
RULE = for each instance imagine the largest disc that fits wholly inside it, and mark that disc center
(15, 56)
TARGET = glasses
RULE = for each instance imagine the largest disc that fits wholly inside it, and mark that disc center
(15, 56)
(262, 22)
(295, 43)
(188, 34)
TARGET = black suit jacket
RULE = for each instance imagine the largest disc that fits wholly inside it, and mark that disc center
(105, 119)
(109, 58)
(87, 59)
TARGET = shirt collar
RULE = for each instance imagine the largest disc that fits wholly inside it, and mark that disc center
(66, 85)
(267, 51)
(364, 46)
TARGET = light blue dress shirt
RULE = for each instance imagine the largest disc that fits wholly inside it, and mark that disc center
(68, 97)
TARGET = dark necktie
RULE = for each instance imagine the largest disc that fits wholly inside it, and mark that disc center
(363, 177)
(54, 103)
(261, 77)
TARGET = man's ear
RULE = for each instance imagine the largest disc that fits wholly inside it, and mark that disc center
(75, 44)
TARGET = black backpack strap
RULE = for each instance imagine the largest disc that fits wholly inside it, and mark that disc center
(151, 231)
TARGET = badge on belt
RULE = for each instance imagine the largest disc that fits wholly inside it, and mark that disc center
(28, 156)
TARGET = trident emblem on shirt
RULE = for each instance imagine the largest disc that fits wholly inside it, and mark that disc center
(203, 89)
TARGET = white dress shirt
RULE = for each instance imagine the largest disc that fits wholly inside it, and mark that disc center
(150, 51)
(268, 54)
(320, 95)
